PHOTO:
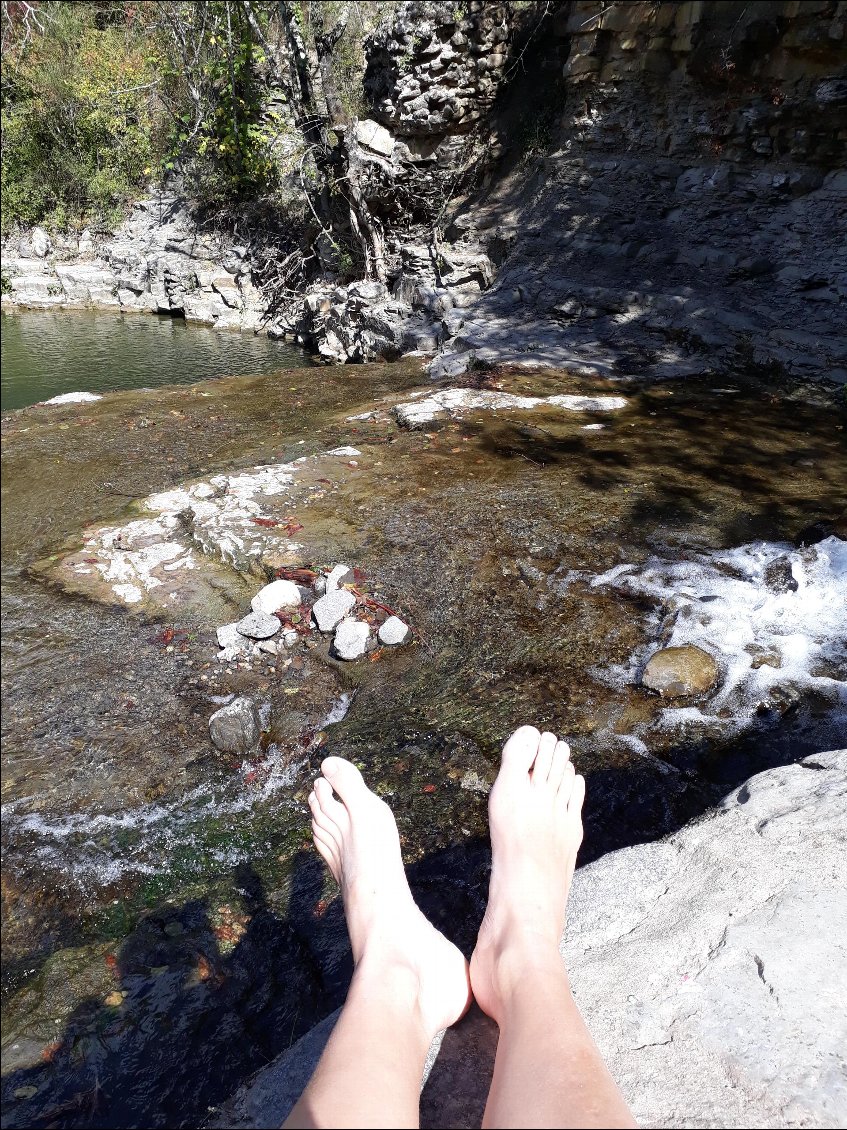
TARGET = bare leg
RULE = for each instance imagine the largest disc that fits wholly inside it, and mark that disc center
(409, 981)
(548, 1071)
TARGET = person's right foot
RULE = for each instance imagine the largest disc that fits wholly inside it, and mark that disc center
(536, 829)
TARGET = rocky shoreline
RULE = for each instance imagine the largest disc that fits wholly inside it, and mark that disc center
(674, 213)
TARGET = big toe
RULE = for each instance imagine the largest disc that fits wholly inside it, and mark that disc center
(520, 750)
(346, 780)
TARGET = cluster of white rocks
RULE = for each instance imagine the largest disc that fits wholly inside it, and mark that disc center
(262, 631)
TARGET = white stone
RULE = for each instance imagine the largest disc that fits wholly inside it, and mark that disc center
(394, 632)
(331, 609)
(276, 595)
(351, 639)
(340, 575)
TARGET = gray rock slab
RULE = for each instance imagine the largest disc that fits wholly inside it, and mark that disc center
(394, 632)
(258, 625)
(710, 967)
(236, 727)
(351, 639)
(330, 610)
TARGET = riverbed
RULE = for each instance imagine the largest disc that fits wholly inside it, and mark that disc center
(167, 926)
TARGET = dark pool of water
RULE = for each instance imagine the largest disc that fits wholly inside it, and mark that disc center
(46, 353)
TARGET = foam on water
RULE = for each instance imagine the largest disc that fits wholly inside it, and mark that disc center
(721, 602)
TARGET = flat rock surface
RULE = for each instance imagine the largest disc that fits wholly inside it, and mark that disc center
(675, 672)
(710, 967)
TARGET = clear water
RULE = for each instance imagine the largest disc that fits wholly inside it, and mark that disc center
(46, 353)
(167, 929)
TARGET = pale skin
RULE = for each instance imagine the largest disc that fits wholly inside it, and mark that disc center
(410, 982)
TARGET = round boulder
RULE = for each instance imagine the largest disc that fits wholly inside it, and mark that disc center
(394, 632)
(351, 639)
(276, 595)
(677, 672)
(236, 728)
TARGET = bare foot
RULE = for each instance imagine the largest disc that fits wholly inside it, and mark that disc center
(357, 838)
(536, 829)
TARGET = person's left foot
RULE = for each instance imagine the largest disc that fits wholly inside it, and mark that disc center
(357, 838)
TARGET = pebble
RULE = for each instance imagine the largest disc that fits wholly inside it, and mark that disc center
(276, 595)
(351, 639)
(331, 609)
(258, 626)
(394, 632)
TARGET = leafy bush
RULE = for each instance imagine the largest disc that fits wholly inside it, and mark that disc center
(80, 133)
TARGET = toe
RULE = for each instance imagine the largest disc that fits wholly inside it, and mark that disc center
(321, 818)
(566, 785)
(331, 809)
(345, 779)
(544, 758)
(577, 796)
(326, 850)
(520, 750)
(560, 761)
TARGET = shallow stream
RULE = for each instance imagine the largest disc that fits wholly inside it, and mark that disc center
(167, 927)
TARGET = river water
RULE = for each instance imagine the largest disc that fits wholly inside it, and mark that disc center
(47, 353)
(167, 928)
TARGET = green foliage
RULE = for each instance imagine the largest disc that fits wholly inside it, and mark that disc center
(220, 135)
(79, 132)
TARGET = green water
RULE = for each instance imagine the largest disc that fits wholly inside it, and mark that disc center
(46, 353)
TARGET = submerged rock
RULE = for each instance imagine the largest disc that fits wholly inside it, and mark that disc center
(779, 577)
(278, 594)
(236, 727)
(258, 626)
(331, 609)
(351, 639)
(394, 632)
(675, 672)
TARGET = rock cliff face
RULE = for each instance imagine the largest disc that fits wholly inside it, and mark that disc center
(709, 966)
(157, 261)
(621, 188)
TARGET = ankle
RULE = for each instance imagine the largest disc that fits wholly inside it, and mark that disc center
(525, 956)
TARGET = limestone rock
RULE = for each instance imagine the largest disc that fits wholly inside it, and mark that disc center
(394, 632)
(351, 639)
(276, 595)
(231, 642)
(258, 626)
(331, 609)
(675, 672)
(236, 727)
(340, 575)
(725, 945)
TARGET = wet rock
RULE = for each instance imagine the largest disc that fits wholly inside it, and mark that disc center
(340, 575)
(236, 727)
(276, 595)
(351, 639)
(778, 576)
(473, 783)
(675, 672)
(394, 632)
(821, 530)
(258, 626)
(763, 657)
(331, 609)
